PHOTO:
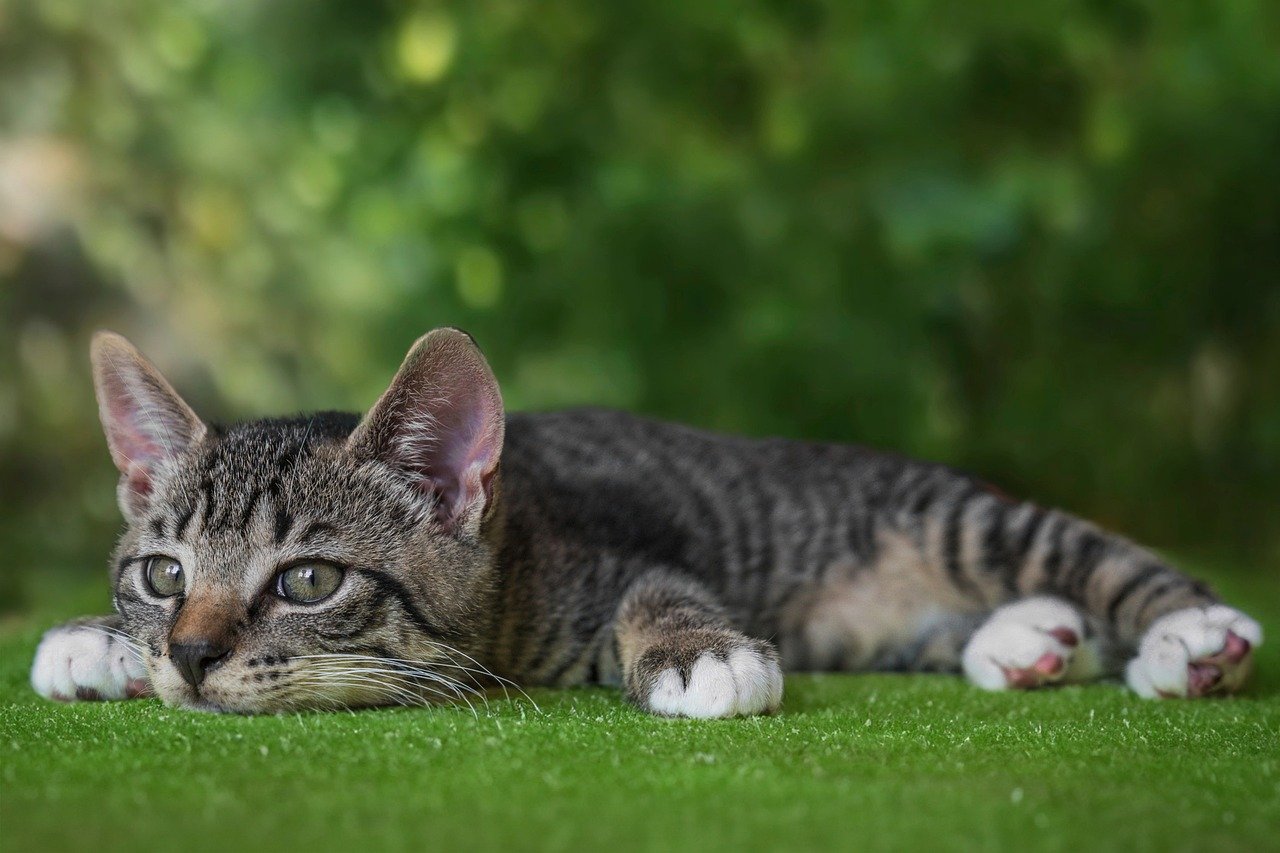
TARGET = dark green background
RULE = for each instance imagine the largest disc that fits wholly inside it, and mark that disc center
(1038, 241)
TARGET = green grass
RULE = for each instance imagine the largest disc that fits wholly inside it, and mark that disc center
(870, 762)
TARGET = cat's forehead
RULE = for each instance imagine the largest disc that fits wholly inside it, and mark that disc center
(269, 458)
(280, 440)
(266, 477)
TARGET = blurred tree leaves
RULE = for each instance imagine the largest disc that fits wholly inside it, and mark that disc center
(1041, 242)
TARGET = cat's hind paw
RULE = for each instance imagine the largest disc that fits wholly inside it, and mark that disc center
(1194, 652)
(1030, 643)
(741, 680)
(83, 661)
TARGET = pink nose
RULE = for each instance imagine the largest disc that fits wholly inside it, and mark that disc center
(1236, 647)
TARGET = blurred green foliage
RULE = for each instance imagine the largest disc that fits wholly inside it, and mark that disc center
(1038, 241)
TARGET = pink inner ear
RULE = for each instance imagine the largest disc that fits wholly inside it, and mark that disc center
(133, 438)
(139, 480)
(440, 424)
(144, 425)
(460, 463)
(476, 451)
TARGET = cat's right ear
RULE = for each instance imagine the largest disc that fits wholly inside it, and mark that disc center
(440, 425)
(147, 424)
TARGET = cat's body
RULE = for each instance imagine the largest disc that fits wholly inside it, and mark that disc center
(845, 558)
(604, 547)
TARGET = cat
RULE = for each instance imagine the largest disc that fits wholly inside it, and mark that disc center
(438, 548)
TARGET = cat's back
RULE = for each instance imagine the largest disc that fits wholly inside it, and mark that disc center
(600, 479)
(607, 444)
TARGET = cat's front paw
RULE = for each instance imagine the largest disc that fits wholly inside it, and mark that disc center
(730, 676)
(1030, 643)
(1194, 652)
(87, 661)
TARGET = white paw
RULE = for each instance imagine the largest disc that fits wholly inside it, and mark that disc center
(745, 684)
(1194, 652)
(86, 662)
(1030, 643)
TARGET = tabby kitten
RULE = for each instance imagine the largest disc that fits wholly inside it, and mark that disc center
(436, 548)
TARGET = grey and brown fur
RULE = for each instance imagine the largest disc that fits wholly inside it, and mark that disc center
(566, 548)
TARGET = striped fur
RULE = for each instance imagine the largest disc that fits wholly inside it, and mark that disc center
(764, 525)
(604, 547)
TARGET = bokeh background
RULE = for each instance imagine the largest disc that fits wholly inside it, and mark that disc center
(1037, 241)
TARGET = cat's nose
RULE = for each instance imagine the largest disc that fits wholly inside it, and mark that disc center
(193, 659)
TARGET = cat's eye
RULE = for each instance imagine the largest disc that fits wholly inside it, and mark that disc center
(164, 576)
(309, 582)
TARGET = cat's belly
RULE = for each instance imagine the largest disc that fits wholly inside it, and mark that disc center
(896, 614)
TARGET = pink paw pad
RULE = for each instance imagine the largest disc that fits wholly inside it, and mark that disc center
(1046, 667)
(1050, 664)
(1065, 636)
(1236, 648)
(1206, 675)
(1202, 678)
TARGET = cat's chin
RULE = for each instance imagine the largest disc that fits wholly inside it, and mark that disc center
(207, 707)
(189, 700)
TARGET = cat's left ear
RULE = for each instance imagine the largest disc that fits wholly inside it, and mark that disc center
(147, 424)
(440, 425)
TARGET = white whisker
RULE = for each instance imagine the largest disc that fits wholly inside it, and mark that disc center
(358, 681)
(374, 665)
(477, 670)
(406, 685)
(130, 645)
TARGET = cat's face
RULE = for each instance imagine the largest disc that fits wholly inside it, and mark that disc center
(314, 562)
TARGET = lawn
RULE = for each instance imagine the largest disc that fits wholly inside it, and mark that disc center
(866, 762)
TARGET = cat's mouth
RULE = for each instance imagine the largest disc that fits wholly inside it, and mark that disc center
(208, 702)
(223, 696)
(174, 691)
(193, 699)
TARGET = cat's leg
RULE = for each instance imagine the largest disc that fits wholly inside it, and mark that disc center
(90, 659)
(1034, 642)
(1182, 640)
(681, 657)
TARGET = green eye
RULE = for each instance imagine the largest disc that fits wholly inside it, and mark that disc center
(309, 582)
(164, 576)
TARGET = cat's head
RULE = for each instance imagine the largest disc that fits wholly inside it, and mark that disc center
(310, 562)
